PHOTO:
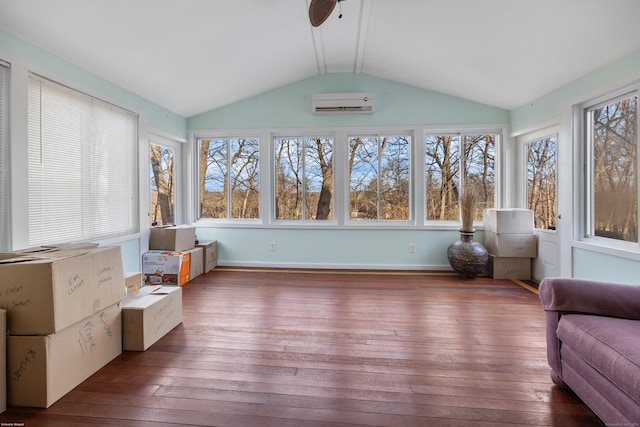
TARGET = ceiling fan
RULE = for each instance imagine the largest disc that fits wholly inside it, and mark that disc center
(320, 10)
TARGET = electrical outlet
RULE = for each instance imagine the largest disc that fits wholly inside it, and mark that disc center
(412, 248)
(273, 246)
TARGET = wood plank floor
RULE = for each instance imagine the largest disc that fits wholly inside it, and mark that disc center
(303, 348)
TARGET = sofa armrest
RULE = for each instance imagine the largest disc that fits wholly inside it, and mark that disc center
(560, 296)
(590, 297)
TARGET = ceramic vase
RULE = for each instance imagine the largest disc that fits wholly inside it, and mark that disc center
(467, 257)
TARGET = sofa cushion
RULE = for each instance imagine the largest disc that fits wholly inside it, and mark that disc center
(608, 344)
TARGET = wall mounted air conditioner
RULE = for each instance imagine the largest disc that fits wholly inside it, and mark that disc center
(343, 103)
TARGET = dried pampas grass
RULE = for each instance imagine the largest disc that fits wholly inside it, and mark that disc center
(468, 208)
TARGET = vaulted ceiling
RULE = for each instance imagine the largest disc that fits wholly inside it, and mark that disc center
(191, 56)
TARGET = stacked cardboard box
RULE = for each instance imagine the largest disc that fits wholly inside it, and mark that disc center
(172, 258)
(210, 254)
(510, 241)
(166, 268)
(133, 281)
(63, 318)
(149, 314)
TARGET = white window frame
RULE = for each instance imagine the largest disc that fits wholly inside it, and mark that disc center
(5, 70)
(273, 170)
(525, 162)
(263, 164)
(166, 140)
(377, 223)
(341, 218)
(461, 132)
(583, 134)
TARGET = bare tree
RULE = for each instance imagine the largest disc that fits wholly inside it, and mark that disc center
(541, 181)
(615, 170)
(162, 182)
(442, 167)
(228, 178)
(325, 163)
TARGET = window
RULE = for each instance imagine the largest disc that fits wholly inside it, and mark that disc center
(229, 178)
(162, 184)
(379, 178)
(612, 136)
(304, 178)
(454, 162)
(541, 182)
(442, 177)
(4, 162)
(82, 167)
(372, 182)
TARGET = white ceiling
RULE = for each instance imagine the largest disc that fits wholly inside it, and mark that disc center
(191, 56)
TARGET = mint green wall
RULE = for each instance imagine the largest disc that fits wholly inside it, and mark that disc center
(52, 66)
(23, 54)
(396, 104)
(595, 264)
(131, 260)
(290, 107)
(551, 105)
(369, 249)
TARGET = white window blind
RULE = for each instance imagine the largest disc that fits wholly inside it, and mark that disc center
(4, 142)
(83, 174)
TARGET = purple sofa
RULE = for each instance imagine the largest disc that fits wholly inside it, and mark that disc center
(593, 344)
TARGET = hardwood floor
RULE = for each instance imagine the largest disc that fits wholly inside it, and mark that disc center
(304, 348)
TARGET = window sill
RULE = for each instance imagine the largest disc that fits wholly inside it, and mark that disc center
(623, 250)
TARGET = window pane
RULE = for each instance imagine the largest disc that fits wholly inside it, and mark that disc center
(379, 178)
(162, 185)
(363, 178)
(541, 182)
(304, 178)
(213, 178)
(244, 177)
(479, 169)
(394, 178)
(615, 169)
(442, 177)
(289, 177)
(319, 178)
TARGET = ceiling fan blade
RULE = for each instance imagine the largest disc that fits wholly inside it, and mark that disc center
(320, 10)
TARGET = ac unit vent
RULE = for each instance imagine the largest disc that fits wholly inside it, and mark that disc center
(343, 103)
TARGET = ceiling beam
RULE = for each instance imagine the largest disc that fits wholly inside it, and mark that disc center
(363, 31)
(318, 45)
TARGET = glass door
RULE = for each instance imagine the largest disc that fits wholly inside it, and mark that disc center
(541, 193)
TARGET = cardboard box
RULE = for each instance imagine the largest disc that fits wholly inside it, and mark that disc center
(133, 281)
(150, 314)
(511, 245)
(509, 268)
(175, 238)
(42, 369)
(197, 262)
(52, 248)
(210, 248)
(3, 360)
(166, 268)
(49, 292)
(508, 221)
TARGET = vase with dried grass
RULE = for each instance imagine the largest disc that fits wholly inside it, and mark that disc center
(467, 257)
